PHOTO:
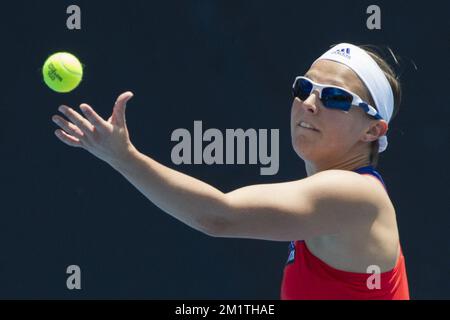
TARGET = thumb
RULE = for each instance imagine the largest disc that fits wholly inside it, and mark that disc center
(118, 116)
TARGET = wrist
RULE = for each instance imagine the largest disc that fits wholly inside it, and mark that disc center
(125, 158)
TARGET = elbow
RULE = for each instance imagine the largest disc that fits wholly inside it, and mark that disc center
(210, 233)
(219, 221)
(215, 227)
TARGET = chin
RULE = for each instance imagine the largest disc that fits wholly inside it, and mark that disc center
(303, 151)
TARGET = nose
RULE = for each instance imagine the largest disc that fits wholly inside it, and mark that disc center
(310, 104)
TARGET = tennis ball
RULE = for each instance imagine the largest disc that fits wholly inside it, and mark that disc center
(62, 72)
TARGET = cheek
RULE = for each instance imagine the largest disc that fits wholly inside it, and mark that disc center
(294, 108)
(337, 134)
(294, 115)
(346, 137)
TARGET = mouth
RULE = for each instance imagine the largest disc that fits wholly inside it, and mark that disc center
(306, 126)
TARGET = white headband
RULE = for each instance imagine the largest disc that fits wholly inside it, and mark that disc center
(371, 75)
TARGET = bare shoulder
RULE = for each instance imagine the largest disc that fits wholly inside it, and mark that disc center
(361, 244)
(349, 186)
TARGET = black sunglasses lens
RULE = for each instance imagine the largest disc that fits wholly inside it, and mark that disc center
(336, 99)
(302, 89)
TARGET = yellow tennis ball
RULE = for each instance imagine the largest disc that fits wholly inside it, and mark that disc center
(62, 72)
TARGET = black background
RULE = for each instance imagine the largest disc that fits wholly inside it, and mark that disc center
(231, 65)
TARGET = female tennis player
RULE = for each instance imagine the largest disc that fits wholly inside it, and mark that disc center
(339, 220)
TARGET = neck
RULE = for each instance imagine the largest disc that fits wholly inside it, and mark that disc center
(345, 164)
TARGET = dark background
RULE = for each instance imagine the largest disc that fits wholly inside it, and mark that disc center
(230, 64)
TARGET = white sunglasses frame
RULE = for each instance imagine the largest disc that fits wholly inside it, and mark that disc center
(357, 101)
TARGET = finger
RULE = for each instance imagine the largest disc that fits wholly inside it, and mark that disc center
(68, 127)
(92, 116)
(77, 119)
(68, 139)
(120, 108)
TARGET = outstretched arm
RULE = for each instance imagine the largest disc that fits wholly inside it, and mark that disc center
(325, 203)
(185, 198)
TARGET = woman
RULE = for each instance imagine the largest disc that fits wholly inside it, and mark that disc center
(340, 222)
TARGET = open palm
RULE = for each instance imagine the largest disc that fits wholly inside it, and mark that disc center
(108, 140)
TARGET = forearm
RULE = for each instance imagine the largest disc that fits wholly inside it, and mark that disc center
(195, 203)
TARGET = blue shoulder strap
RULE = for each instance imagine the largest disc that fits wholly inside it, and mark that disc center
(372, 171)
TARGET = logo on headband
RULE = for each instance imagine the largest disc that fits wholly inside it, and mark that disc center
(345, 52)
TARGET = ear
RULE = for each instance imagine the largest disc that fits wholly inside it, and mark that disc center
(377, 129)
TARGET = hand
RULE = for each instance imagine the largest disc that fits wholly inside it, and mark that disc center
(107, 140)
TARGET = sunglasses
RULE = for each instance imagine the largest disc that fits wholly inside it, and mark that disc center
(331, 96)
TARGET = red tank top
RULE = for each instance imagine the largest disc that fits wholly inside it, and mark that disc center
(306, 277)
